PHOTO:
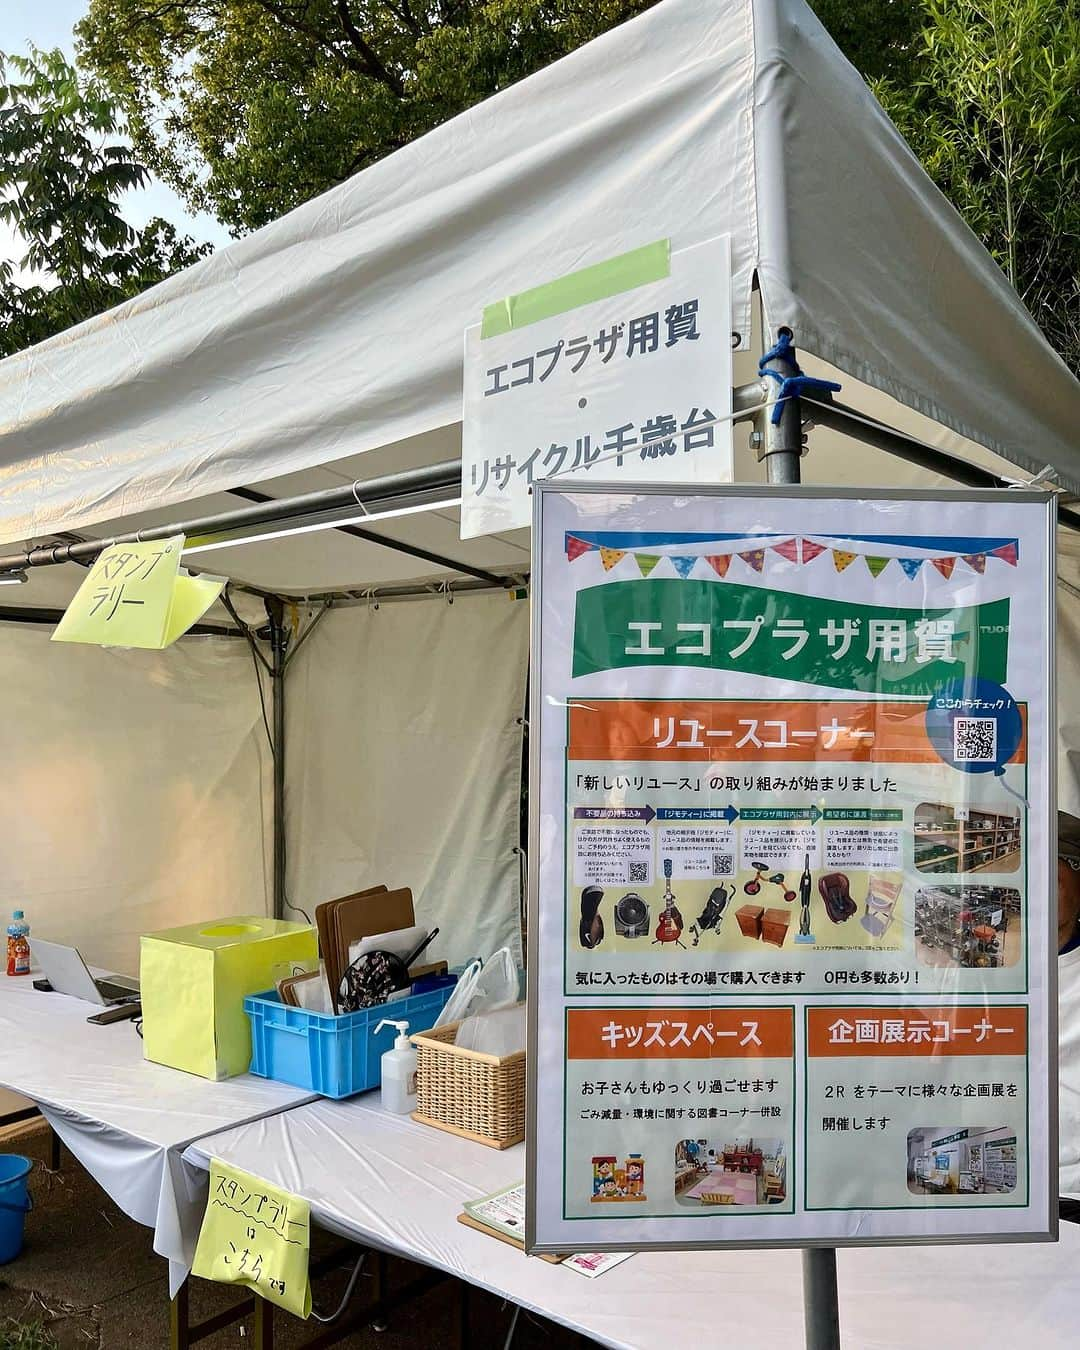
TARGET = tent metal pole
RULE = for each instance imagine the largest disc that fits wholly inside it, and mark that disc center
(781, 448)
(407, 482)
(45, 617)
(409, 550)
(279, 646)
(850, 422)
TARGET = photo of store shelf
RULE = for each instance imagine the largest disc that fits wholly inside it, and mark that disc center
(950, 839)
(968, 926)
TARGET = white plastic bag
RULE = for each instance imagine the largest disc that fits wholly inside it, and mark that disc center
(483, 987)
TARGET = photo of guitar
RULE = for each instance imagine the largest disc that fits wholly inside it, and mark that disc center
(670, 926)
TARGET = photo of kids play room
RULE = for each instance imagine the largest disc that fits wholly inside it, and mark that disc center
(978, 1160)
(749, 1171)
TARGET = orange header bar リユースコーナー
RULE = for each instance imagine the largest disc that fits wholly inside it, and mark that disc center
(742, 731)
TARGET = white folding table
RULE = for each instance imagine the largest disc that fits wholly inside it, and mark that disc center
(125, 1119)
(396, 1186)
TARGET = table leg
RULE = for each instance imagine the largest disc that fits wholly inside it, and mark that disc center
(179, 1323)
(513, 1327)
(264, 1324)
(54, 1150)
(380, 1323)
(465, 1339)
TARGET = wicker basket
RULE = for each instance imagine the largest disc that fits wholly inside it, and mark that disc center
(480, 1097)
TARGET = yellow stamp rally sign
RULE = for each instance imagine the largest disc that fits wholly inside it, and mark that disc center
(256, 1235)
(137, 595)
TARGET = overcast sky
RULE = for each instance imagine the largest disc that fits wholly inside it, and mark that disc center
(49, 23)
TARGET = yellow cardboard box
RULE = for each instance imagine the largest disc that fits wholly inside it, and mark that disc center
(193, 981)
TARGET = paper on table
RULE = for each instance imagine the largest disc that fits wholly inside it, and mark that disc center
(256, 1235)
(504, 1210)
(592, 1264)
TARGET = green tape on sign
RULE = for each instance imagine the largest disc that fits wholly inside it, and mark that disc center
(757, 631)
(636, 268)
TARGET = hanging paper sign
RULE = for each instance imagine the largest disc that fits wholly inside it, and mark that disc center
(646, 562)
(789, 549)
(617, 371)
(792, 903)
(137, 595)
(976, 561)
(257, 1235)
(611, 557)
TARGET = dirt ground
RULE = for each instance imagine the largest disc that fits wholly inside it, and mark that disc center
(91, 1276)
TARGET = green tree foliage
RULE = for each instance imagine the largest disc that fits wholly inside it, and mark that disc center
(249, 107)
(992, 114)
(63, 171)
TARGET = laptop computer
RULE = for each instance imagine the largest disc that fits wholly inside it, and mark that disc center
(67, 972)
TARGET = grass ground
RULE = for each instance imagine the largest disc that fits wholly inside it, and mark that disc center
(88, 1279)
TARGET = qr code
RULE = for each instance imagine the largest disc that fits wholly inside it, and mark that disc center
(723, 865)
(639, 872)
(975, 740)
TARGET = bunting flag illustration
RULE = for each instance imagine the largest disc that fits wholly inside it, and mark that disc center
(797, 550)
(810, 550)
(646, 562)
(789, 549)
(576, 547)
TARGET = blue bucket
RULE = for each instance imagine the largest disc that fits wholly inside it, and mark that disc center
(14, 1203)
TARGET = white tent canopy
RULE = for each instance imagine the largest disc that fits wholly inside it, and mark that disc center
(327, 348)
(337, 330)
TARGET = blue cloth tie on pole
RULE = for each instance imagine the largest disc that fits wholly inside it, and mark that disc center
(791, 386)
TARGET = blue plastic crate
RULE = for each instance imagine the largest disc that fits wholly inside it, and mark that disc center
(335, 1056)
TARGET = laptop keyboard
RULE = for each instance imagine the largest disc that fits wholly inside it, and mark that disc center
(109, 990)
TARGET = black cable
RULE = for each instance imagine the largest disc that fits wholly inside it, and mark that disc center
(244, 628)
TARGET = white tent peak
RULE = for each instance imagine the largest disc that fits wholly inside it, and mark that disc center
(338, 329)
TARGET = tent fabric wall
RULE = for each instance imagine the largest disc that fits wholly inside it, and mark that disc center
(403, 763)
(135, 789)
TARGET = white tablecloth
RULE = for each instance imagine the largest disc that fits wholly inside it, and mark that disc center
(393, 1184)
(126, 1120)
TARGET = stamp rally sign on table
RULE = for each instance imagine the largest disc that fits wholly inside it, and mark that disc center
(792, 970)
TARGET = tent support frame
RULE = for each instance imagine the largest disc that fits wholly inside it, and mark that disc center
(781, 448)
(279, 650)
